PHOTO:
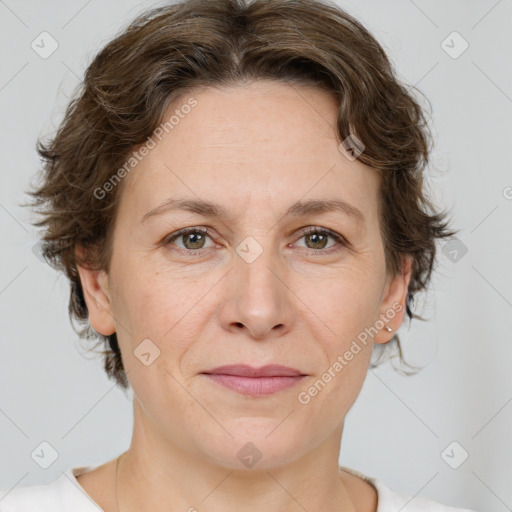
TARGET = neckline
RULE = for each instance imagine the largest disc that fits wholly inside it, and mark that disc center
(72, 474)
(75, 472)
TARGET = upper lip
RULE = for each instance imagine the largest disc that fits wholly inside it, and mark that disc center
(245, 370)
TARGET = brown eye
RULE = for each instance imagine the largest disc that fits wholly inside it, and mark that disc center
(317, 239)
(193, 239)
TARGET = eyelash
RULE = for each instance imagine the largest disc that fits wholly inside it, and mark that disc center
(308, 231)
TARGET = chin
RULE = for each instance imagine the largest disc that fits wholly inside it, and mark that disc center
(256, 445)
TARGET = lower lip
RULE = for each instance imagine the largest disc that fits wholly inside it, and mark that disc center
(256, 386)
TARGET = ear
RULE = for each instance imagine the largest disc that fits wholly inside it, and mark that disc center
(392, 309)
(97, 297)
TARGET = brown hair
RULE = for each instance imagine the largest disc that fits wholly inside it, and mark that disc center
(172, 49)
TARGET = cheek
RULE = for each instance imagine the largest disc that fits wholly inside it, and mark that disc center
(330, 395)
(144, 296)
(345, 304)
(164, 308)
(344, 310)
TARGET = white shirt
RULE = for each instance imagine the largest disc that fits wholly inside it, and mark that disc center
(65, 494)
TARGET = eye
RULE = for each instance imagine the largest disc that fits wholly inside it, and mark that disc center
(193, 239)
(318, 240)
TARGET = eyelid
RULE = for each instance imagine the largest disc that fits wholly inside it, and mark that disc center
(340, 239)
(176, 234)
(327, 231)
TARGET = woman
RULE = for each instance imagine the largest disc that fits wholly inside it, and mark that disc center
(236, 198)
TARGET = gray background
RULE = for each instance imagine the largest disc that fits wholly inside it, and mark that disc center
(398, 429)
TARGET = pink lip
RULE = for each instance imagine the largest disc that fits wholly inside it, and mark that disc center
(248, 380)
(245, 370)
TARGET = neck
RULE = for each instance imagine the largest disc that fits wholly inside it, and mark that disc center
(158, 476)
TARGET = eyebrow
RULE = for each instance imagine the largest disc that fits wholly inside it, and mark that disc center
(298, 209)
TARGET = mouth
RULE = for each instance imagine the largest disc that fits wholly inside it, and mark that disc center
(250, 381)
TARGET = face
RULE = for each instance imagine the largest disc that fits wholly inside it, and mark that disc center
(256, 285)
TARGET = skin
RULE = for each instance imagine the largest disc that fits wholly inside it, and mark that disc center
(255, 149)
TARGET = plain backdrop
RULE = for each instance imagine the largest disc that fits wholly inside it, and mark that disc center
(444, 433)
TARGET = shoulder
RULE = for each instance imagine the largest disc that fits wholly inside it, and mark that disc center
(60, 495)
(392, 501)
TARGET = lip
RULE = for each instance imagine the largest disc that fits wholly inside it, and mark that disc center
(248, 380)
(245, 370)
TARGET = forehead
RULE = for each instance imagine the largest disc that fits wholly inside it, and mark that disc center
(267, 144)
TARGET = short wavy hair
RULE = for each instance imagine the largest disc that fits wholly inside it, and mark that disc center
(170, 50)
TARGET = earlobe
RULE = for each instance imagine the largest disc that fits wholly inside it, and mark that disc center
(97, 297)
(393, 308)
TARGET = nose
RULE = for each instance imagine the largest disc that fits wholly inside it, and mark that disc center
(257, 298)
